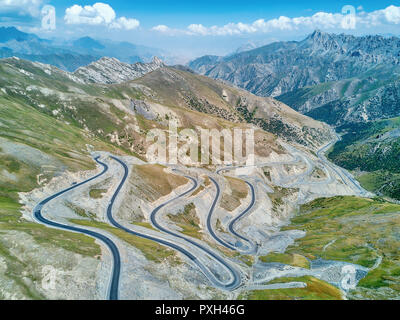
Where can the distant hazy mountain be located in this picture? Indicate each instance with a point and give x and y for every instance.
(123, 51)
(250, 45)
(335, 78)
(11, 33)
(30, 47)
(88, 43)
(70, 55)
(205, 64)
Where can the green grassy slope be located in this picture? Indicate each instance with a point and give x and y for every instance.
(360, 231)
(35, 146)
(315, 290)
(374, 149)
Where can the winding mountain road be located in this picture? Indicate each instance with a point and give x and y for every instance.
(342, 174)
(235, 281)
(299, 178)
(322, 157)
(37, 212)
(210, 214)
(235, 277)
(231, 226)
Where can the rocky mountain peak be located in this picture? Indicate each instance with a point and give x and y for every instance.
(346, 71)
(111, 70)
(317, 34)
(321, 40)
(157, 61)
(106, 61)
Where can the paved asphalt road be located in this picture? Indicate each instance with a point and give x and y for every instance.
(322, 157)
(236, 278)
(114, 285)
(209, 217)
(231, 226)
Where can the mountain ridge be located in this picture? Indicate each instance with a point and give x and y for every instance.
(110, 70)
(69, 55)
(324, 72)
(12, 33)
(168, 86)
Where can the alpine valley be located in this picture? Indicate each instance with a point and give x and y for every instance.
(85, 214)
(351, 83)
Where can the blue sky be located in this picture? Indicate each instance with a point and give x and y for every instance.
(180, 13)
(194, 28)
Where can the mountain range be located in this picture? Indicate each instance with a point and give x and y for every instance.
(349, 82)
(187, 91)
(334, 78)
(69, 55)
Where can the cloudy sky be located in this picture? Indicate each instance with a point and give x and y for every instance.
(207, 26)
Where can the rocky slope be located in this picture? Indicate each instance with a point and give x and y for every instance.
(201, 94)
(111, 70)
(367, 97)
(334, 78)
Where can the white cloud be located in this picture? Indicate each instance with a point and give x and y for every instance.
(22, 7)
(198, 29)
(98, 14)
(392, 14)
(125, 23)
(320, 20)
(387, 16)
(161, 28)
